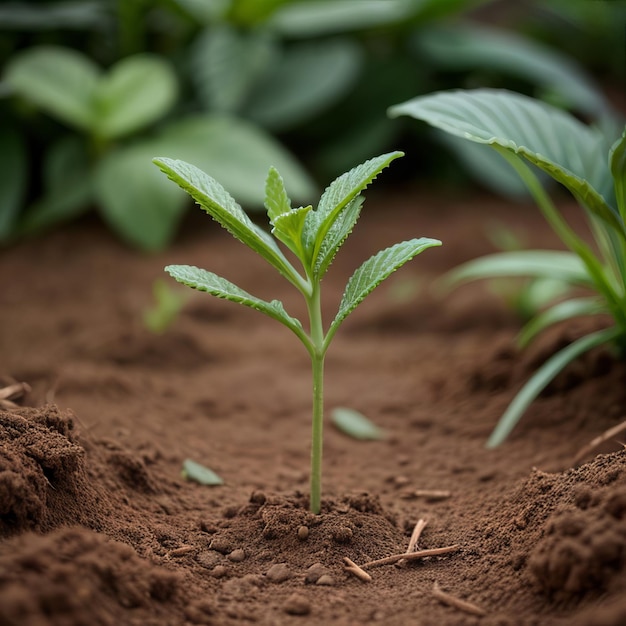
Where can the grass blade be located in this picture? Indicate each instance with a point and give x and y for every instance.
(542, 377)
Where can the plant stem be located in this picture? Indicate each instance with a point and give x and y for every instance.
(317, 365)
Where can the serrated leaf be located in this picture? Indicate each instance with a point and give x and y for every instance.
(339, 231)
(374, 271)
(277, 201)
(288, 228)
(617, 163)
(337, 195)
(203, 280)
(556, 142)
(59, 80)
(136, 91)
(356, 425)
(220, 205)
(564, 266)
(200, 474)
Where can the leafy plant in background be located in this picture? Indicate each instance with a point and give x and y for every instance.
(256, 75)
(314, 236)
(525, 131)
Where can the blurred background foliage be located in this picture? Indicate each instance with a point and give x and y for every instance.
(91, 90)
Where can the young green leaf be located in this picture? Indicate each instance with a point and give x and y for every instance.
(202, 280)
(221, 206)
(356, 425)
(288, 228)
(277, 201)
(200, 474)
(374, 271)
(337, 195)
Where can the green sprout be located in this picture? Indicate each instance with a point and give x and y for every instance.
(525, 131)
(314, 236)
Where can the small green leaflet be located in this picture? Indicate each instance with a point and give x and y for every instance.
(356, 425)
(200, 474)
(374, 271)
(203, 280)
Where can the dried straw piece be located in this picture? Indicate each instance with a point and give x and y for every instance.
(355, 570)
(413, 556)
(457, 603)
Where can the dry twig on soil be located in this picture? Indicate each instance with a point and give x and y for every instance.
(413, 556)
(428, 494)
(457, 603)
(354, 569)
(12, 392)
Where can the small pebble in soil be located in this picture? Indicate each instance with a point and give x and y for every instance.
(401, 481)
(303, 533)
(208, 559)
(297, 604)
(258, 497)
(219, 571)
(279, 573)
(221, 545)
(326, 580)
(342, 534)
(237, 556)
(314, 573)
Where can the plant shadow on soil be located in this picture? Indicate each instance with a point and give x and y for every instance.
(99, 528)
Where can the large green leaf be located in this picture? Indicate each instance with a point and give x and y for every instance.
(564, 266)
(221, 206)
(137, 91)
(337, 195)
(467, 46)
(318, 17)
(237, 154)
(369, 275)
(202, 280)
(304, 80)
(226, 64)
(137, 202)
(13, 170)
(59, 80)
(570, 152)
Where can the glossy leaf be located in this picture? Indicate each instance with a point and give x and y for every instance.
(374, 271)
(202, 280)
(356, 425)
(556, 142)
(136, 92)
(60, 81)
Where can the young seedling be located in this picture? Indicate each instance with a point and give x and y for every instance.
(314, 236)
(588, 162)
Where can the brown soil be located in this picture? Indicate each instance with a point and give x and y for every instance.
(99, 528)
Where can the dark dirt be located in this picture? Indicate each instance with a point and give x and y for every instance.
(98, 527)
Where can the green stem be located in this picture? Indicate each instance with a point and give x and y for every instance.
(317, 363)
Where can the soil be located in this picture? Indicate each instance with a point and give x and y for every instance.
(98, 526)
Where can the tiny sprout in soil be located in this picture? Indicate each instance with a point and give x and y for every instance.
(314, 236)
